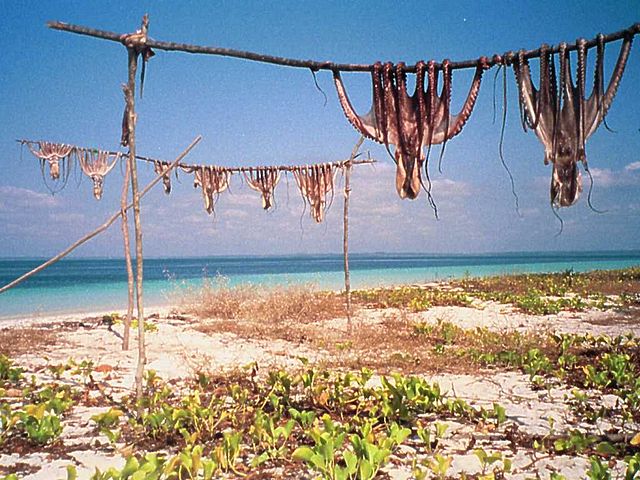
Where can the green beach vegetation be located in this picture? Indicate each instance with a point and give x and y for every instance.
(369, 405)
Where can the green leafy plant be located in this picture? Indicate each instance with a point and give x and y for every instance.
(40, 424)
(9, 374)
(108, 422)
(488, 459)
(598, 470)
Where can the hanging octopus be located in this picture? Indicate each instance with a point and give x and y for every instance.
(53, 154)
(314, 183)
(160, 168)
(124, 137)
(213, 181)
(263, 180)
(411, 122)
(96, 164)
(560, 115)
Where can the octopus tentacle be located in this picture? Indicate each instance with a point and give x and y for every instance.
(562, 55)
(610, 93)
(445, 102)
(465, 112)
(420, 98)
(392, 125)
(159, 169)
(96, 164)
(432, 105)
(367, 124)
(547, 97)
(597, 93)
(527, 90)
(580, 93)
(378, 102)
(408, 150)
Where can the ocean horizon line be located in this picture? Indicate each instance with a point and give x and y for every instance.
(340, 254)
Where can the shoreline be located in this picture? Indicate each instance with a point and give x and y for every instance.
(165, 293)
(77, 316)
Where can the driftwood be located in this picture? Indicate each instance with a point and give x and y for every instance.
(313, 65)
(98, 230)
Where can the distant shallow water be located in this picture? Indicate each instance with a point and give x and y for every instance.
(87, 285)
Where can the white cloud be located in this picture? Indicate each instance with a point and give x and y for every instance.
(14, 199)
(604, 177)
(632, 166)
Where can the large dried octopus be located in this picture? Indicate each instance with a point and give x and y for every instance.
(263, 180)
(52, 154)
(411, 122)
(560, 115)
(314, 183)
(213, 181)
(96, 164)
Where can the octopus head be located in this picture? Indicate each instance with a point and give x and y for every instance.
(566, 184)
(97, 186)
(566, 181)
(408, 179)
(266, 200)
(54, 169)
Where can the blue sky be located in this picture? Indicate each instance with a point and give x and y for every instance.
(63, 87)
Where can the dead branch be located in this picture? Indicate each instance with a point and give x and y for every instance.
(312, 64)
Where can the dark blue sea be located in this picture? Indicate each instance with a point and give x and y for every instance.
(90, 284)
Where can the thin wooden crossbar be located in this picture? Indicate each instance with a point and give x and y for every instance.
(281, 168)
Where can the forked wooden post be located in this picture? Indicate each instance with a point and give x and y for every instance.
(345, 239)
(135, 47)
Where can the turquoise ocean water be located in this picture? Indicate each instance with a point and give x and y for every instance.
(86, 285)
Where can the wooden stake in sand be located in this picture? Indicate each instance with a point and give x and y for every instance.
(345, 238)
(102, 227)
(136, 45)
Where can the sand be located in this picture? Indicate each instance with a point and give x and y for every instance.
(178, 350)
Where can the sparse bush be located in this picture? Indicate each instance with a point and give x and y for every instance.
(304, 303)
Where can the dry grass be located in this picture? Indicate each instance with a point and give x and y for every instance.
(293, 303)
(20, 340)
(388, 340)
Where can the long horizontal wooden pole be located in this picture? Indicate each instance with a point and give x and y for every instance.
(102, 227)
(313, 64)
